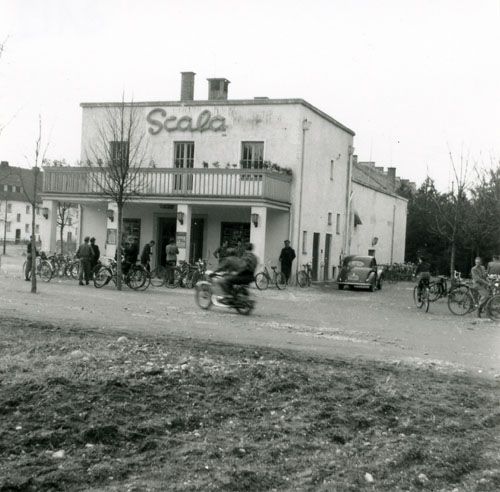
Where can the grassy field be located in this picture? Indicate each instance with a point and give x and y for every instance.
(90, 411)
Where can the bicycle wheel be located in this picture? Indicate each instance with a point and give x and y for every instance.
(302, 279)
(280, 280)
(460, 301)
(261, 281)
(102, 277)
(146, 278)
(492, 308)
(417, 297)
(45, 271)
(158, 276)
(203, 296)
(74, 270)
(175, 278)
(135, 277)
(434, 291)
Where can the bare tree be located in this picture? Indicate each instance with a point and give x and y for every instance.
(450, 219)
(116, 156)
(64, 218)
(30, 190)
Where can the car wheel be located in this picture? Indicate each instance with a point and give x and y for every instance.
(340, 286)
(351, 287)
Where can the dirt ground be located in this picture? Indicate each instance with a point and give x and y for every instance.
(81, 410)
(321, 320)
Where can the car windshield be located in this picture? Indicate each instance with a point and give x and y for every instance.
(359, 262)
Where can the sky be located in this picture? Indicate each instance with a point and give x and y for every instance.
(415, 79)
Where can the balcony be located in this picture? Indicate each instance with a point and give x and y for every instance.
(234, 184)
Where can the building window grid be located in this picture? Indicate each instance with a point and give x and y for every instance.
(18, 218)
(8, 227)
(26, 228)
(9, 208)
(332, 166)
(119, 151)
(183, 158)
(28, 209)
(337, 225)
(330, 218)
(37, 228)
(304, 242)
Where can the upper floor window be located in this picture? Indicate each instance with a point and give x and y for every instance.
(28, 210)
(183, 154)
(252, 155)
(304, 242)
(26, 228)
(9, 208)
(332, 166)
(18, 218)
(37, 228)
(119, 152)
(329, 218)
(8, 227)
(338, 224)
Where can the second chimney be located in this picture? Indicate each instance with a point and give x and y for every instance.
(187, 86)
(391, 174)
(218, 89)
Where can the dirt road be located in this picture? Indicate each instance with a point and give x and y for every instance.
(383, 325)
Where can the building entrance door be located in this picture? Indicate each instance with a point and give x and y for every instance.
(315, 256)
(328, 244)
(184, 158)
(196, 249)
(167, 229)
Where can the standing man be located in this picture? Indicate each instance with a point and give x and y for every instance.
(286, 258)
(240, 248)
(96, 253)
(85, 255)
(29, 260)
(171, 251)
(221, 252)
(146, 255)
(480, 283)
(494, 266)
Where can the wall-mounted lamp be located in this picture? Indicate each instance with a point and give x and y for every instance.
(255, 220)
(111, 214)
(180, 217)
(45, 212)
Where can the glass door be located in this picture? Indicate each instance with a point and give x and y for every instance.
(183, 159)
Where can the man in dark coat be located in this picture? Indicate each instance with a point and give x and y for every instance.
(85, 255)
(96, 253)
(286, 258)
(29, 260)
(146, 255)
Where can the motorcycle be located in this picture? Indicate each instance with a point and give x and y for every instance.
(210, 293)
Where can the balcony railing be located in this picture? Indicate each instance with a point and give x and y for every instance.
(169, 182)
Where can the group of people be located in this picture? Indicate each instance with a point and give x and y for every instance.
(479, 275)
(88, 253)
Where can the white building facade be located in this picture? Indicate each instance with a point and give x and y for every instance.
(259, 170)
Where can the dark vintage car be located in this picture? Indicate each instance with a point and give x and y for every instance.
(360, 271)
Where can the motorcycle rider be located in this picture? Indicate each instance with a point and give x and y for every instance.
(241, 269)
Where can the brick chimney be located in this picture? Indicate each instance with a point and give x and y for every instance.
(218, 89)
(391, 174)
(187, 86)
(4, 164)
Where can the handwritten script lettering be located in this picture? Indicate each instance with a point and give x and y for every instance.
(158, 121)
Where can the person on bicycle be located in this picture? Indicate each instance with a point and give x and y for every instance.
(221, 252)
(480, 283)
(423, 274)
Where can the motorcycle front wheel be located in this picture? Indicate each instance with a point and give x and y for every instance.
(203, 296)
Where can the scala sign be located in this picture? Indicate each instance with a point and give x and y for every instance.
(203, 123)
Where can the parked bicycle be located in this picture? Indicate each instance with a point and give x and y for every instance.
(137, 277)
(264, 278)
(304, 276)
(42, 267)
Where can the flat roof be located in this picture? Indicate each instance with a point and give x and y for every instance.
(229, 102)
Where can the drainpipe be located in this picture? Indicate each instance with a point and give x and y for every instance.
(305, 126)
(348, 201)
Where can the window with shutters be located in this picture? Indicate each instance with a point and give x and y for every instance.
(119, 152)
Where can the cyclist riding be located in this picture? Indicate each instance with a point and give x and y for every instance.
(423, 274)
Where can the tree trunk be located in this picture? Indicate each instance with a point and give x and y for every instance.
(62, 235)
(452, 257)
(119, 247)
(33, 237)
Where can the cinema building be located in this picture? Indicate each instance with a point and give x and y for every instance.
(260, 170)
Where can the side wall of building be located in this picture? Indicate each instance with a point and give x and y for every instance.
(383, 217)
